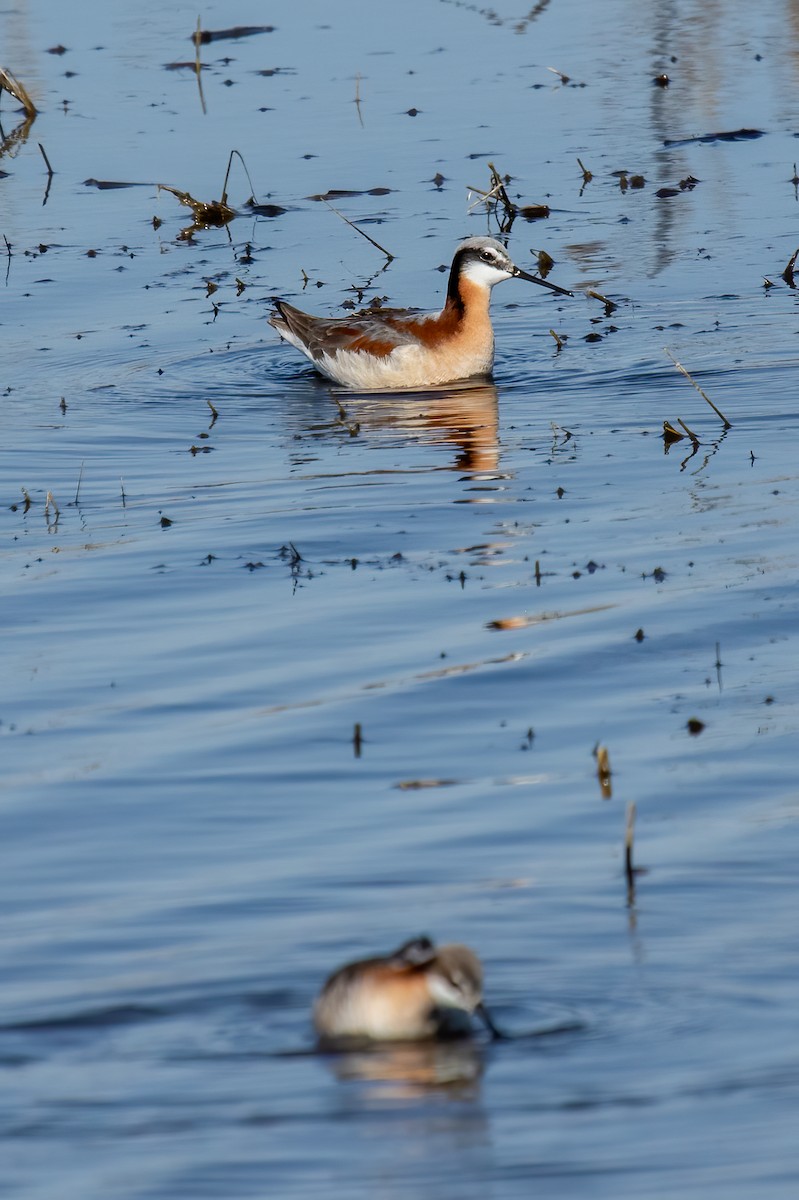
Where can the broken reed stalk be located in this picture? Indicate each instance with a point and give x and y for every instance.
(227, 173)
(499, 186)
(352, 225)
(691, 380)
(629, 838)
(18, 91)
(48, 501)
(690, 432)
(603, 772)
(484, 197)
(50, 171)
(80, 481)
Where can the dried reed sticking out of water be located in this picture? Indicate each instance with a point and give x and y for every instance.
(691, 380)
(629, 869)
(357, 229)
(18, 90)
(610, 305)
(358, 98)
(603, 771)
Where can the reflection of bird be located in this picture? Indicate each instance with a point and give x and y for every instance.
(397, 348)
(420, 991)
(462, 415)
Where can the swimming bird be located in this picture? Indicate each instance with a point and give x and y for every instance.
(399, 348)
(416, 993)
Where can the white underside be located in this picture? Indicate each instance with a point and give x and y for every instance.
(405, 367)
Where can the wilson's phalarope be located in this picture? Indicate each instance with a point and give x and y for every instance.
(398, 348)
(419, 992)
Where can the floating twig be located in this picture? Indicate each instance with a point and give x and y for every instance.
(558, 340)
(691, 380)
(357, 229)
(357, 739)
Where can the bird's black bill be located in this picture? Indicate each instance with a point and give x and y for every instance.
(520, 274)
(484, 1015)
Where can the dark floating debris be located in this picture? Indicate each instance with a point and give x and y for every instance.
(735, 135)
(342, 193)
(201, 37)
(533, 212)
(670, 434)
(264, 210)
(206, 213)
(106, 185)
(788, 273)
(661, 81)
(694, 726)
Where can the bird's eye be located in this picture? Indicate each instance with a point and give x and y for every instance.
(487, 255)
